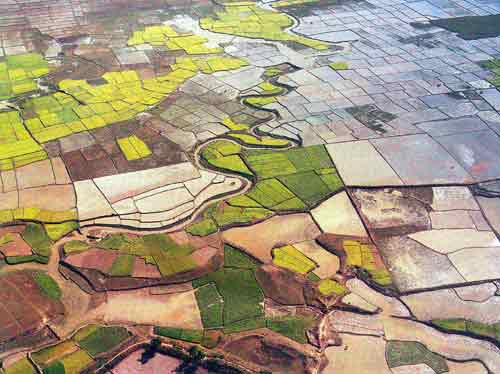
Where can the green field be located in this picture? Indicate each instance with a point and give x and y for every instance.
(292, 327)
(467, 326)
(330, 287)
(48, 285)
(400, 353)
(55, 368)
(245, 325)
(191, 336)
(204, 227)
(288, 180)
(123, 266)
(104, 339)
(158, 249)
(75, 246)
(48, 355)
(240, 291)
(231, 163)
(307, 186)
(84, 332)
(210, 305)
(36, 237)
(233, 258)
(231, 296)
(75, 362)
(22, 366)
(56, 231)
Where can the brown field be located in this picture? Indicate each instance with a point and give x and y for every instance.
(24, 308)
(16, 247)
(94, 258)
(143, 270)
(270, 351)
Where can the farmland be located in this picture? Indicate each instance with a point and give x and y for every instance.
(278, 186)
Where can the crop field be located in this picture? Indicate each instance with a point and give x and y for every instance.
(210, 304)
(275, 186)
(27, 302)
(22, 366)
(74, 355)
(329, 287)
(191, 336)
(292, 180)
(291, 258)
(37, 239)
(232, 290)
(291, 327)
(367, 257)
(157, 250)
(47, 356)
(103, 340)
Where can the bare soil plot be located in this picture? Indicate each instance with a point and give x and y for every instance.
(258, 240)
(140, 306)
(25, 308)
(158, 364)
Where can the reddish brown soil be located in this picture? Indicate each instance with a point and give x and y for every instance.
(24, 309)
(270, 351)
(283, 286)
(96, 259)
(143, 270)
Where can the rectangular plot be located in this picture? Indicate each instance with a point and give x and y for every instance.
(210, 305)
(270, 193)
(271, 165)
(310, 158)
(123, 266)
(308, 186)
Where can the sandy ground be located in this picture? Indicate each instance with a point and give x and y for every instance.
(142, 307)
(259, 239)
(357, 354)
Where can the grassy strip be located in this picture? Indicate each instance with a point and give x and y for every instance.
(245, 325)
(188, 335)
(467, 326)
(15, 260)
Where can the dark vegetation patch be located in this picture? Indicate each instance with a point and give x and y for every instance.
(471, 27)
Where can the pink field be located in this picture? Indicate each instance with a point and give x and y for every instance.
(158, 364)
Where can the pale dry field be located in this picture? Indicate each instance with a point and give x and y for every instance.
(141, 307)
